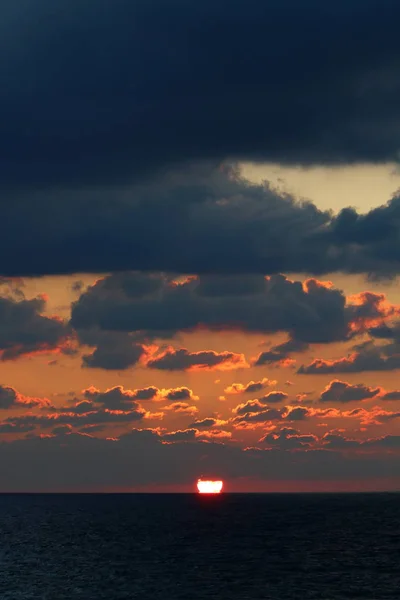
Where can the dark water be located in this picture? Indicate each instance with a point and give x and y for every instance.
(322, 547)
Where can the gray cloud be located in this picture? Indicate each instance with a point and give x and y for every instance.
(249, 388)
(298, 413)
(118, 398)
(204, 423)
(77, 419)
(115, 398)
(11, 399)
(288, 439)
(25, 330)
(115, 350)
(340, 442)
(393, 395)
(280, 353)
(8, 397)
(182, 393)
(310, 313)
(185, 435)
(341, 391)
(255, 411)
(61, 430)
(183, 360)
(251, 406)
(121, 313)
(274, 397)
(260, 416)
(146, 393)
(365, 357)
(15, 428)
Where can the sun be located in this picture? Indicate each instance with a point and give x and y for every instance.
(209, 486)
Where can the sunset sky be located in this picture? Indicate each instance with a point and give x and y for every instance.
(200, 245)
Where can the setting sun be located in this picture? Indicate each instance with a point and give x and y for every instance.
(209, 486)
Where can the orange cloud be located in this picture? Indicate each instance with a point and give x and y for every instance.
(250, 387)
(182, 407)
(10, 398)
(311, 284)
(214, 434)
(373, 310)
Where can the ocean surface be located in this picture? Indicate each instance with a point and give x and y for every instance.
(231, 546)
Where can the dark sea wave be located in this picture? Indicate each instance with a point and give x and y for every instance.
(170, 547)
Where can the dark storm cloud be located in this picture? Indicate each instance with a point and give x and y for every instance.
(341, 391)
(97, 103)
(25, 330)
(311, 312)
(121, 91)
(221, 223)
(131, 89)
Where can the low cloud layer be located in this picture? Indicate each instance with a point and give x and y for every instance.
(89, 463)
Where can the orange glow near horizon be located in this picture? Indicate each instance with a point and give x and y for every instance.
(209, 486)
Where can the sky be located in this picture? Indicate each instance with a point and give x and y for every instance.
(200, 245)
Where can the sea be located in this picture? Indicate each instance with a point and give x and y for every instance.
(189, 546)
